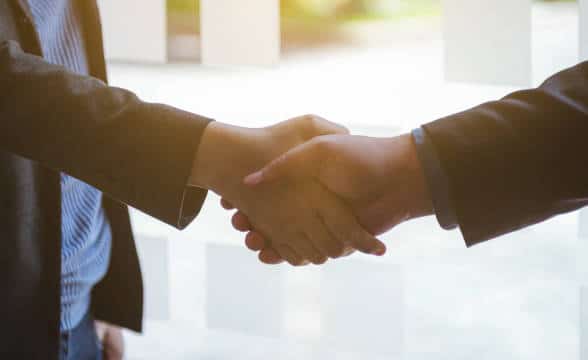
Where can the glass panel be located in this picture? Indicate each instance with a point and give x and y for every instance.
(377, 67)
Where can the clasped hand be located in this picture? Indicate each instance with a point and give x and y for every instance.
(379, 179)
(300, 217)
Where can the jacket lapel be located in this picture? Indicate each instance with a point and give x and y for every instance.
(94, 41)
(24, 6)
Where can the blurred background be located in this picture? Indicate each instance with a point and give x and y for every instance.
(308, 23)
(380, 67)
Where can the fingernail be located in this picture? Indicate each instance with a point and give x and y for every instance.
(253, 179)
(380, 250)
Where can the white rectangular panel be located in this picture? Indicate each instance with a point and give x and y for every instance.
(154, 256)
(135, 30)
(362, 306)
(583, 9)
(242, 294)
(582, 248)
(583, 323)
(237, 32)
(488, 41)
(583, 224)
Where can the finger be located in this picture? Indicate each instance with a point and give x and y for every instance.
(319, 257)
(241, 222)
(348, 251)
(345, 227)
(303, 246)
(270, 256)
(100, 329)
(226, 204)
(320, 260)
(113, 345)
(323, 240)
(288, 254)
(255, 241)
(302, 161)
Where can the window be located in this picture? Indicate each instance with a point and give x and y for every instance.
(381, 67)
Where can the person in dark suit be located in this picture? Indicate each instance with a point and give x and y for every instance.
(74, 152)
(490, 170)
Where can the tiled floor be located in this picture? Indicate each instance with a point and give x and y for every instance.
(517, 297)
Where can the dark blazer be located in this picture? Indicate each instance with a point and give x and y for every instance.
(520, 160)
(54, 121)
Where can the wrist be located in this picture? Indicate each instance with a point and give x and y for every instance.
(226, 154)
(422, 204)
(215, 155)
(405, 181)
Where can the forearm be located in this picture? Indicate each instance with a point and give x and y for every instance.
(520, 160)
(138, 153)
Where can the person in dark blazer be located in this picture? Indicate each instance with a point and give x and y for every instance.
(74, 152)
(490, 170)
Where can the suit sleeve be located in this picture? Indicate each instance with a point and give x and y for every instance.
(517, 161)
(436, 180)
(136, 152)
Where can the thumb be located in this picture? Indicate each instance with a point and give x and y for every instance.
(322, 126)
(301, 161)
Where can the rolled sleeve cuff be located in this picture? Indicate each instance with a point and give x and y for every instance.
(437, 180)
(154, 165)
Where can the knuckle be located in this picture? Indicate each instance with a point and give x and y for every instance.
(311, 123)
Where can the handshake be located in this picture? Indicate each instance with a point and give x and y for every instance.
(307, 191)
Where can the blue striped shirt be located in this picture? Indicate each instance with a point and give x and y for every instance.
(86, 236)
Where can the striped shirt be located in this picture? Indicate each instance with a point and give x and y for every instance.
(86, 236)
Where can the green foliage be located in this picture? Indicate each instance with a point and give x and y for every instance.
(339, 9)
(331, 9)
(358, 9)
(184, 6)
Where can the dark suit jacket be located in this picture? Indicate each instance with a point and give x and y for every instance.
(54, 121)
(520, 160)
